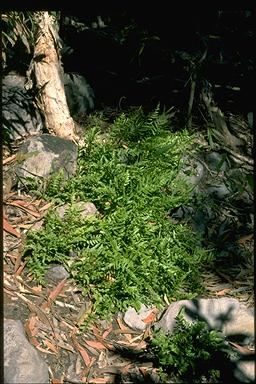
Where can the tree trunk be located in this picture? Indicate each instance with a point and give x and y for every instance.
(49, 78)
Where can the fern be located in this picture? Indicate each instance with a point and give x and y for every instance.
(131, 253)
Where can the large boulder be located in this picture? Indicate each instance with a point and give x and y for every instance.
(79, 94)
(85, 209)
(20, 114)
(21, 118)
(44, 155)
(22, 363)
(225, 314)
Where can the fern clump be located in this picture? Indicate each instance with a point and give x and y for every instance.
(131, 252)
(137, 126)
(191, 353)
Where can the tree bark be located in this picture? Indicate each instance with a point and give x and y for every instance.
(49, 78)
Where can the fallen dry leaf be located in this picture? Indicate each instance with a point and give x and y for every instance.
(51, 346)
(85, 372)
(56, 381)
(78, 365)
(24, 206)
(31, 326)
(121, 324)
(65, 346)
(147, 333)
(45, 350)
(151, 317)
(57, 289)
(95, 344)
(223, 292)
(65, 324)
(42, 315)
(9, 159)
(45, 207)
(100, 380)
(241, 349)
(244, 239)
(19, 203)
(95, 330)
(34, 342)
(137, 346)
(136, 339)
(126, 368)
(20, 269)
(9, 228)
(37, 289)
(125, 330)
(144, 371)
(107, 332)
(84, 312)
(166, 299)
(85, 356)
(25, 226)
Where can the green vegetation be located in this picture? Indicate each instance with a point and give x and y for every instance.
(131, 252)
(191, 353)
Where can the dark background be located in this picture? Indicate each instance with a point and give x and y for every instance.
(162, 69)
(142, 56)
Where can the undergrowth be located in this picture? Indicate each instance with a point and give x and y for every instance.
(191, 353)
(131, 252)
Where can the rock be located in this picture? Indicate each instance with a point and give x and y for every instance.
(9, 180)
(216, 162)
(192, 170)
(86, 209)
(56, 273)
(197, 217)
(37, 226)
(200, 219)
(245, 371)
(21, 118)
(22, 363)
(134, 320)
(44, 155)
(224, 314)
(20, 115)
(79, 94)
(218, 191)
(241, 323)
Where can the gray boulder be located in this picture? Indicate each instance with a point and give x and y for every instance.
(225, 314)
(56, 273)
(44, 155)
(135, 319)
(22, 363)
(216, 161)
(86, 209)
(79, 94)
(192, 170)
(20, 116)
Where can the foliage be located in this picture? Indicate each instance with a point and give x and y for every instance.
(192, 353)
(135, 127)
(17, 26)
(131, 252)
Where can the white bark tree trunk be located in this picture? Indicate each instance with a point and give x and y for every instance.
(49, 78)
